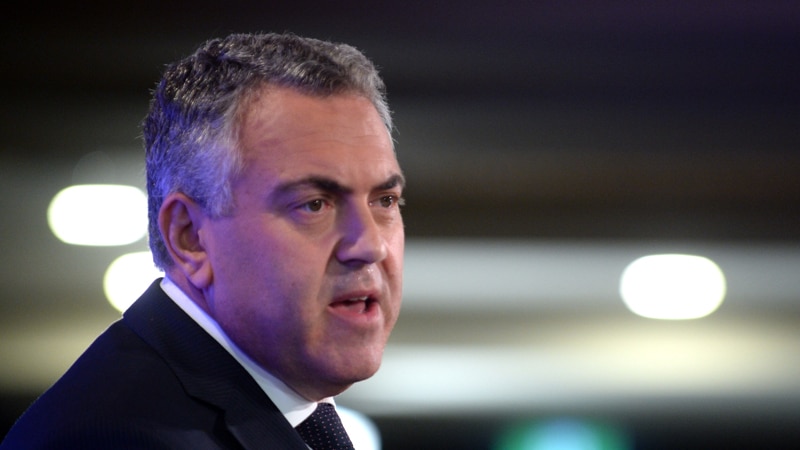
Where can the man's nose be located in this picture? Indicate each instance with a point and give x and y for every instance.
(362, 240)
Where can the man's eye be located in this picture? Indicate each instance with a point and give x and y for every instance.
(314, 205)
(388, 201)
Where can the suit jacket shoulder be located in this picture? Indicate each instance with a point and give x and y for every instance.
(154, 379)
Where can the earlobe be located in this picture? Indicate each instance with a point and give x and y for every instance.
(180, 220)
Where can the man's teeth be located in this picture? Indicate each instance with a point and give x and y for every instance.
(358, 299)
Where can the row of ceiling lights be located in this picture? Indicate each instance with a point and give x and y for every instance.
(663, 286)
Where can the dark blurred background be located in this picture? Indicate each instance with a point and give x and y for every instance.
(579, 131)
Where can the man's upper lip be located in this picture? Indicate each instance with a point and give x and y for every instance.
(368, 295)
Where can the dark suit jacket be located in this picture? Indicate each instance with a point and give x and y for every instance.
(154, 380)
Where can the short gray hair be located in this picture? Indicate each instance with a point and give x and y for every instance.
(190, 130)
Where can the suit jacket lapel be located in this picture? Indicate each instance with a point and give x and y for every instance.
(209, 373)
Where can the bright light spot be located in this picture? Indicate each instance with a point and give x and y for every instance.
(362, 431)
(563, 434)
(673, 286)
(98, 214)
(128, 277)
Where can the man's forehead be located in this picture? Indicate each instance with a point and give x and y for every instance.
(269, 102)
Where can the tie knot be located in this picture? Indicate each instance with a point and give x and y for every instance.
(323, 430)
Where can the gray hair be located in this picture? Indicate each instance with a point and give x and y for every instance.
(190, 130)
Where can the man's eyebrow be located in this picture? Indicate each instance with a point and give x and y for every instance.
(329, 185)
(314, 182)
(396, 180)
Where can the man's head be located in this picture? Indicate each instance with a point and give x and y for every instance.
(274, 203)
(191, 130)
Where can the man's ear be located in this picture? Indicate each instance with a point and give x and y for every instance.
(180, 220)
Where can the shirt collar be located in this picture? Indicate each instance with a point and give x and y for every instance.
(294, 407)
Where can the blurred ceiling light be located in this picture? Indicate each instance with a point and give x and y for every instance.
(98, 214)
(673, 286)
(127, 278)
(563, 434)
(361, 429)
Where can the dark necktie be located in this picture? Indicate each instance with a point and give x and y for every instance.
(323, 430)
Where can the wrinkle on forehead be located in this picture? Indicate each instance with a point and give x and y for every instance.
(268, 110)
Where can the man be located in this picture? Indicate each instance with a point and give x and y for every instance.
(274, 196)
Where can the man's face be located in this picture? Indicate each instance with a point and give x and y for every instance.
(307, 271)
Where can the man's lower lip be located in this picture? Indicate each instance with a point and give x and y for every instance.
(355, 310)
